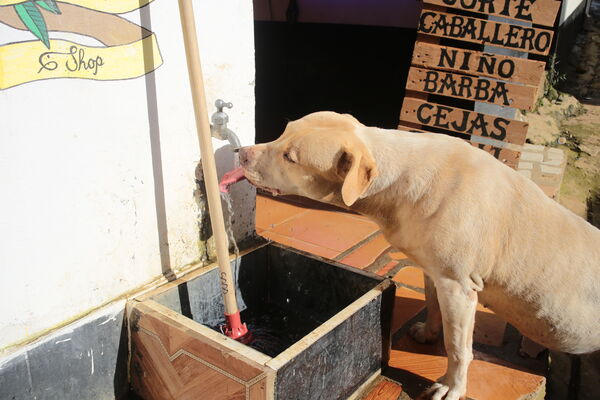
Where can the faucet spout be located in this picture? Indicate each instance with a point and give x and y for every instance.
(219, 129)
(234, 141)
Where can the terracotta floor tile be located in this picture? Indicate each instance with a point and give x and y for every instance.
(529, 348)
(397, 255)
(489, 328)
(300, 245)
(411, 276)
(366, 254)
(270, 212)
(407, 304)
(330, 229)
(489, 378)
(387, 267)
(385, 390)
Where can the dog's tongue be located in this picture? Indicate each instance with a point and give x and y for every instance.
(230, 178)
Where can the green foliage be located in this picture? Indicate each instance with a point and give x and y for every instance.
(553, 78)
(48, 5)
(33, 19)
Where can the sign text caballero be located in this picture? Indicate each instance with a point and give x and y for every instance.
(482, 31)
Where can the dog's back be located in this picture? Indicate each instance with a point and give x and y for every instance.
(539, 262)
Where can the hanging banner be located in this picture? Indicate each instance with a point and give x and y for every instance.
(108, 6)
(127, 51)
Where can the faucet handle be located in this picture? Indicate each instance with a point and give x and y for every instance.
(220, 104)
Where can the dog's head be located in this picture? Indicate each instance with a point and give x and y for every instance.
(318, 156)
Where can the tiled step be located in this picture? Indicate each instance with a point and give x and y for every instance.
(368, 253)
(384, 390)
(417, 366)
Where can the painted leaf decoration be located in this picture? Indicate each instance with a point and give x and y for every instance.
(49, 5)
(33, 20)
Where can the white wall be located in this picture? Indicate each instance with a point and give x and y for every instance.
(569, 6)
(79, 161)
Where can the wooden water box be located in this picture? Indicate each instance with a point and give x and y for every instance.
(323, 331)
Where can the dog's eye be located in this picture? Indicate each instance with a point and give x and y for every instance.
(286, 157)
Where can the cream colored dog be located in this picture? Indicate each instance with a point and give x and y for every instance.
(479, 230)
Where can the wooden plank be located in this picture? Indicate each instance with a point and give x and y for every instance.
(476, 30)
(467, 122)
(385, 390)
(471, 88)
(539, 12)
(478, 63)
(410, 127)
(171, 359)
(506, 156)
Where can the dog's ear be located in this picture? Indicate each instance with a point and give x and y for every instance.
(358, 169)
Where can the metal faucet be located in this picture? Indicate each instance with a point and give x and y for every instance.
(218, 127)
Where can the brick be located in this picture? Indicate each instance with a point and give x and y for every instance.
(550, 170)
(555, 154)
(554, 163)
(525, 165)
(530, 156)
(525, 172)
(533, 148)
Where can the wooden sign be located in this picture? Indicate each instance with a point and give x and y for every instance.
(472, 62)
(463, 121)
(506, 156)
(471, 88)
(476, 30)
(539, 12)
(464, 73)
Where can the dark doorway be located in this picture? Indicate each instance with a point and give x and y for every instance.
(305, 67)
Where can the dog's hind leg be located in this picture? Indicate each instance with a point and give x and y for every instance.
(428, 331)
(458, 303)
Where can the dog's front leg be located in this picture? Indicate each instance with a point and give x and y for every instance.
(428, 331)
(458, 303)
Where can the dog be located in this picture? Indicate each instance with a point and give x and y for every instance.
(479, 230)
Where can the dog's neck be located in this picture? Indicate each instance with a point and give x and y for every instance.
(400, 158)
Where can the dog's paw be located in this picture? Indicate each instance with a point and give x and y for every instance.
(439, 391)
(419, 332)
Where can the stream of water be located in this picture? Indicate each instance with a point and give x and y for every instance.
(272, 329)
(229, 229)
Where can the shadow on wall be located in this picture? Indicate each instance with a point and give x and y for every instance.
(157, 170)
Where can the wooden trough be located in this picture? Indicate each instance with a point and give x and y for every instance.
(323, 331)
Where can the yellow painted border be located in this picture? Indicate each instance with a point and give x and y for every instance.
(31, 61)
(108, 6)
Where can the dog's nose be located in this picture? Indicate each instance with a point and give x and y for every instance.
(243, 155)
